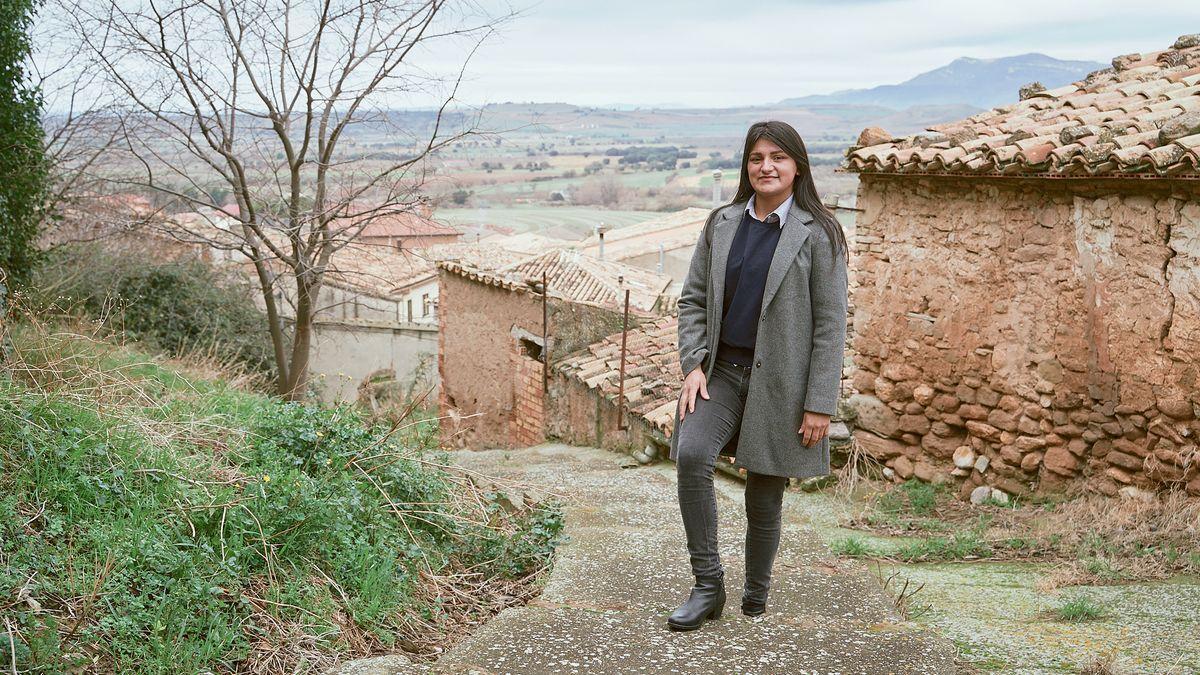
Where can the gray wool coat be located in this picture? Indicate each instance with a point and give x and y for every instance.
(799, 347)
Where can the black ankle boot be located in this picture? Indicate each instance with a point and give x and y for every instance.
(706, 601)
(752, 607)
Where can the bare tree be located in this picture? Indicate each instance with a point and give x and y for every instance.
(279, 105)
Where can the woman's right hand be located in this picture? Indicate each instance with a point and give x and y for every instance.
(694, 383)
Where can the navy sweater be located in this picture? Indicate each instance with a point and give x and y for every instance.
(745, 275)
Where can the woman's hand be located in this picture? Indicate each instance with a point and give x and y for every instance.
(814, 427)
(693, 383)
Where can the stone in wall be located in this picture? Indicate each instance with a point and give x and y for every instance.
(1047, 328)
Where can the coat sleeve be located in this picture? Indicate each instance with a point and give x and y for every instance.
(828, 292)
(693, 305)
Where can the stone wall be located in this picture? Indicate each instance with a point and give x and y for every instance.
(1029, 334)
(581, 416)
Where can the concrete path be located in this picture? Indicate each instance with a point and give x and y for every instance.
(625, 569)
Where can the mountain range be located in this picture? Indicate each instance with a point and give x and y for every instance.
(983, 83)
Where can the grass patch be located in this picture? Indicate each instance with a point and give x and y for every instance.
(910, 498)
(852, 547)
(153, 522)
(1091, 538)
(1103, 569)
(1078, 610)
(961, 546)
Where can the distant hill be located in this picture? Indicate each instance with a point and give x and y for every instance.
(684, 125)
(983, 83)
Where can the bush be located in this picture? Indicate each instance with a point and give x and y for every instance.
(23, 165)
(172, 307)
(186, 526)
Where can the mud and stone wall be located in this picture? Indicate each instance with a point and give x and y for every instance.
(1029, 334)
(491, 393)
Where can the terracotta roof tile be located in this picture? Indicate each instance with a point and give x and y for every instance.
(1120, 109)
(577, 278)
(652, 378)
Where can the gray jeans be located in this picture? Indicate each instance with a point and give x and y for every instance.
(702, 434)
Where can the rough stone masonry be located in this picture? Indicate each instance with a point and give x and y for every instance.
(1028, 334)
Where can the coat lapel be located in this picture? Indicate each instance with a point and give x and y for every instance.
(795, 231)
(727, 225)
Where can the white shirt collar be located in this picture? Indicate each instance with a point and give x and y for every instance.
(782, 211)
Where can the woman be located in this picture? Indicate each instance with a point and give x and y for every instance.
(762, 322)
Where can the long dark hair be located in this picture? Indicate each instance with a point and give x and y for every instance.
(804, 191)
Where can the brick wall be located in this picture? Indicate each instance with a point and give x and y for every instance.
(1042, 333)
(526, 426)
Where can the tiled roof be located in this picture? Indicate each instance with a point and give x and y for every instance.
(376, 270)
(394, 223)
(675, 230)
(1139, 117)
(484, 255)
(652, 379)
(576, 278)
(582, 278)
(528, 243)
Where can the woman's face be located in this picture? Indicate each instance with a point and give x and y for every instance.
(771, 170)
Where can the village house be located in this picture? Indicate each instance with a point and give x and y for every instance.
(495, 333)
(584, 403)
(405, 230)
(377, 315)
(1026, 312)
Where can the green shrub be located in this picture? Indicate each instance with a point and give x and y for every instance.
(184, 523)
(172, 307)
(23, 166)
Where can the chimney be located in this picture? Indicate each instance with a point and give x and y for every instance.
(661, 254)
(600, 230)
(716, 188)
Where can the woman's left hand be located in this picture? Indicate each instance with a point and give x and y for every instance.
(814, 427)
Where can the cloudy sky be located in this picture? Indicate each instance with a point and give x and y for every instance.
(726, 52)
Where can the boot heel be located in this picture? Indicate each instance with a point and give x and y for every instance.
(716, 612)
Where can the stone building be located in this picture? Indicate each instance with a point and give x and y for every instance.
(492, 352)
(1027, 307)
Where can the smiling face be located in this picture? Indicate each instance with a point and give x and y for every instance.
(771, 170)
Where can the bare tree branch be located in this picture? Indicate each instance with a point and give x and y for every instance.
(255, 99)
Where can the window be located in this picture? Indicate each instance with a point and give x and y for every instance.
(409, 303)
(531, 349)
(424, 304)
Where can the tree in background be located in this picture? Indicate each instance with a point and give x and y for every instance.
(262, 98)
(22, 161)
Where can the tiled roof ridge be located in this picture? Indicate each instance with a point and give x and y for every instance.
(509, 282)
(1140, 117)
